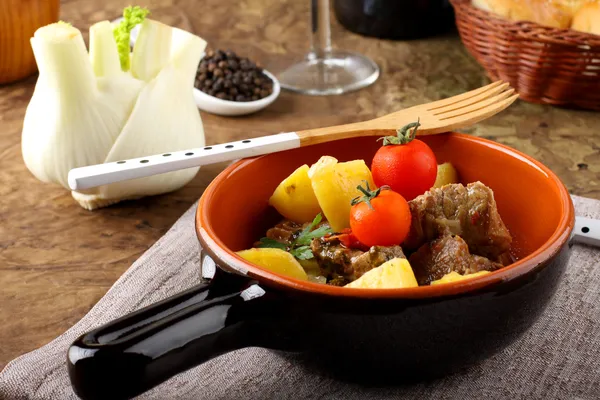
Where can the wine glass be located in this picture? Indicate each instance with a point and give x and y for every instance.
(326, 71)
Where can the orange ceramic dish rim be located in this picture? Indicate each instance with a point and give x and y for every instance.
(544, 253)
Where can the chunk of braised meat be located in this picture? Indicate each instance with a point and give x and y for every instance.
(505, 258)
(338, 281)
(376, 256)
(470, 212)
(285, 231)
(451, 253)
(335, 260)
(341, 264)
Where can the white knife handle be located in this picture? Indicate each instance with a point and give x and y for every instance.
(102, 174)
(587, 231)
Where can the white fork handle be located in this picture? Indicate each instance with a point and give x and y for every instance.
(102, 174)
(587, 231)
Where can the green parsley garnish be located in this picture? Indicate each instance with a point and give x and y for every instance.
(272, 243)
(300, 247)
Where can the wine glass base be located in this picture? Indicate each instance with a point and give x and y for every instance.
(339, 72)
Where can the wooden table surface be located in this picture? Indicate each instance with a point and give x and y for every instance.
(57, 260)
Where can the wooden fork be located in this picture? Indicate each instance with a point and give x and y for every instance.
(439, 116)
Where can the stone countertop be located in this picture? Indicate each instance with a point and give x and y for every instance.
(57, 260)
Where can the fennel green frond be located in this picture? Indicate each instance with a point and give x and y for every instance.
(132, 16)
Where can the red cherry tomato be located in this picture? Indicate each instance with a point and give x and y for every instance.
(380, 218)
(405, 164)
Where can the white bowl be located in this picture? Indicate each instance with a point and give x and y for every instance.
(214, 105)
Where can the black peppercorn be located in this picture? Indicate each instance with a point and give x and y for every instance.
(225, 75)
(217, 86)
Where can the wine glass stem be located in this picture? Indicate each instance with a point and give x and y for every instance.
(320, 29)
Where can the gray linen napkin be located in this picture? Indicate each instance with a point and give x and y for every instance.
(558, 358)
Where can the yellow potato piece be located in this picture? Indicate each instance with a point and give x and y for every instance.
(335, 185)
(455, 276)
(275, 260)
(446, 174)
(396, 273)
(294, 198)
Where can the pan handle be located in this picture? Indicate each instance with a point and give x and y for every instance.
(587, 231)
(135, 353)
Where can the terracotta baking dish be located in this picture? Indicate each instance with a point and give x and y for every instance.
(357, 334)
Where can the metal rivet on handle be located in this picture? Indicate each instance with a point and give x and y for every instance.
(208, 148)
(166, 155)
(120, 162)
(585, 229)
(229, 146)
(189, 154)
(144, 161)
(246, 141)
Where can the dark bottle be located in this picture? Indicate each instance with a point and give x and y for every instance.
(395, 19)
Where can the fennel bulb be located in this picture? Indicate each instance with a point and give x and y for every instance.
(110, 105)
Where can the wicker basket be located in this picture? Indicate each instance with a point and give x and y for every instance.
(545, 65)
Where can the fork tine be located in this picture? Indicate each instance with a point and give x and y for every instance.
(479, 114)
(462, 97)
(480, 105)
(475, 100)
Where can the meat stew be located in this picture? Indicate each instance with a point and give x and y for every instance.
(455, 228)
(405, 222)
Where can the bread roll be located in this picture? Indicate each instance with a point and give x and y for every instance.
(553, 13)
(500, 7)
(587, 19)
(572, 6)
